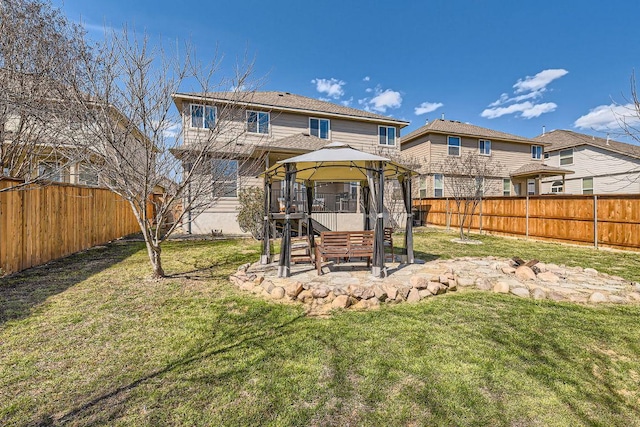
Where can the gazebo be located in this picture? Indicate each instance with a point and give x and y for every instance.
(337, 162)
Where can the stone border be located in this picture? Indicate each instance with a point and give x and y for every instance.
(420, 281)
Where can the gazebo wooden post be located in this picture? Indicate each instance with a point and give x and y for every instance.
(266, 228)
(378, 269)
(284, 268)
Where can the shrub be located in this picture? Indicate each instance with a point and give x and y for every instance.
(251, 211)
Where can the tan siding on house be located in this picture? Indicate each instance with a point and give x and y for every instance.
(613, 173)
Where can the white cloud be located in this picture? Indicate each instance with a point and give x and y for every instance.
(332, 87)
(382, 100)
(529, 90)
(608, 117)
(526, 110)
(427, 107)
(539, 81)
(366, 79)
(347, 102)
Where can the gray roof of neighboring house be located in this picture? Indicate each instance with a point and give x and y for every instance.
(288, 101)
(539, 169)
(561, 139)
(301, 142)
(458, 128)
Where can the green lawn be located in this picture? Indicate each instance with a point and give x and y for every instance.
(90, 340)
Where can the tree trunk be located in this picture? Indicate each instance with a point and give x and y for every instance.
(154, 252)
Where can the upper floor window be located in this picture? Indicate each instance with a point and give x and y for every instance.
(257, 122)
(484, 146)
(438, 185)
(203, 116)
(587, 185)
(453, 145)
(224, 173)
(387, 135)
(536, 152)
(566, 157)
(319, 128)
(50, 171)
(87, 175)
(546, 156)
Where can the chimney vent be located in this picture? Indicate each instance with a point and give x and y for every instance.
(442, 116)
(544, 130)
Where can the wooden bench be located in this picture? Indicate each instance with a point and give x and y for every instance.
(343, 245)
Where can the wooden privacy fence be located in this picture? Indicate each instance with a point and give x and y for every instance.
(39, 224)
(607, 220)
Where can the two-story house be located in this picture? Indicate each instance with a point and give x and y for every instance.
(521, 164)
(262, 128)
(600, 165)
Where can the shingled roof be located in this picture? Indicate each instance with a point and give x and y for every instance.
(561, 139)
(454, 127)
(287, 102)
(539, 169)
(302, 142)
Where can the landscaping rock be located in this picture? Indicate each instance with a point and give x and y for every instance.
(466, 282)
(525, 273)
(521, 292)
(418, 282)
(379, 293)
(436, 288)
(341, 301)
(305, 296)
(244, 267)
(548, 276)
(617, 299)
(268, 286)
(597, 297)
(258, 280)
(424, 293)
(340, 291)
(391, 291)
(277, 292)
(538, 294)
(362, 304)
(557, 296)
(294, 289)
(508, 270)
(634, 296)
(414, 295)
(483, 284)
(403, 291)
(453, 285)
(591, 271)
(320, 292)
(636, 286)
(501, 287)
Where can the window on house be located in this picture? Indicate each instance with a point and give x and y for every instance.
(319, 128)
(531, 187)
(387, 135)
(587, 185)
(50, 172)
(453, 145)
(257, 122)
(203, 116)
(566, 157)
(438, 185)
(557, 187)
(87, 176)
(506, 187)
(353, 190)
(224, 173)
(484, 146)
(422, 185)
(536, 152)
(546, 156)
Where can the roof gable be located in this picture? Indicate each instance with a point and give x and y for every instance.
(286, 101)
(561, 139)
(454, 127)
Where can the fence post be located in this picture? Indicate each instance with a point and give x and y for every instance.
(527, 216)
(447, 215)
(480, 219)
(595, 221)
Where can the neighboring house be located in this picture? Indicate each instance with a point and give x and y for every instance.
(520, 159)
(264, 127)
(601, 165)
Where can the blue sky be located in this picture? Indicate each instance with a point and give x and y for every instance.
(507, 65)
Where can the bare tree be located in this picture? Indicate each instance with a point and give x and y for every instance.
(134, 142)
(467, 179)
(40, 53)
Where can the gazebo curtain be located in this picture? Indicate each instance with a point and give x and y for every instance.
(284, 266)
(310, 197)
(377, 196)
(405, 182)
(266, 229)
(366, 201)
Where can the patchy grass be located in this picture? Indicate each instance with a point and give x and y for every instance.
(102, 344)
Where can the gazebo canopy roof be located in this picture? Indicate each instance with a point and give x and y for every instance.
(335, 162)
